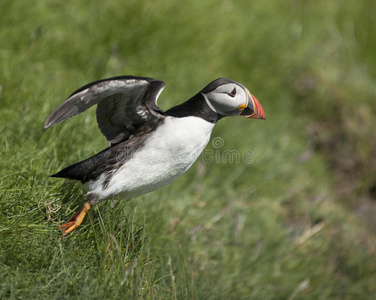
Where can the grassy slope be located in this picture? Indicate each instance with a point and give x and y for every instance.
(273, 228)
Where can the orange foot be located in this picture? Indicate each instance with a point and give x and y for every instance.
(76, 220)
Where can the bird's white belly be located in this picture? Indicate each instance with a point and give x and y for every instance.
(166, 154)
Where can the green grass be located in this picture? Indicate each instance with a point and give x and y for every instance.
(295, 222)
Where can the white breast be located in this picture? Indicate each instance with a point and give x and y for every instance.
(166, 154)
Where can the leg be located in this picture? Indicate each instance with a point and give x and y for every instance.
(76, 220)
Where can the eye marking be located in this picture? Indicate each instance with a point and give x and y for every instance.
(232, 93)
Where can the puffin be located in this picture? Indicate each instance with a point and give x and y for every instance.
(148, 147)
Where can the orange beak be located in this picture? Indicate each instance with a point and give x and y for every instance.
(253, 109)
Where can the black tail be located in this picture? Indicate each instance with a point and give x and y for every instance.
(78, 171)
(88, 169)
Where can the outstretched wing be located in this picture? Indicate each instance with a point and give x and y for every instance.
(124, 104)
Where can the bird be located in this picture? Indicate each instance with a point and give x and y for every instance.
(147, 147)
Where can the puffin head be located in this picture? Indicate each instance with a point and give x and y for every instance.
(230, 98)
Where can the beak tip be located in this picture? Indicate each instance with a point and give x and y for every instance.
(258, 110)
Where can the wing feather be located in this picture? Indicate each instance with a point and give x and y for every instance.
(124, 104)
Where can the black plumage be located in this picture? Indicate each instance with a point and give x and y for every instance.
(124, 104)
(108, 160)
(195, 107)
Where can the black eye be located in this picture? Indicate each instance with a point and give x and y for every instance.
(232, 93)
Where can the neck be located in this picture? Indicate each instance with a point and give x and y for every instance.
(195, 107)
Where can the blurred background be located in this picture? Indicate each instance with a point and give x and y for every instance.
(293, 218)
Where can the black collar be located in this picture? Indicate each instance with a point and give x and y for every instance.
(195, 107)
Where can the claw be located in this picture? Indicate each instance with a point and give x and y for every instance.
(76, 220)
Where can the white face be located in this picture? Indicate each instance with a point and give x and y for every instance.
(226, 99)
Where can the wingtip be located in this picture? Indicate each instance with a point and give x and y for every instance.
(56, 117)
(47, 125)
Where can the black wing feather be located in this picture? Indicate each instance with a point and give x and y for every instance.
(124, 103)
(127, 112)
